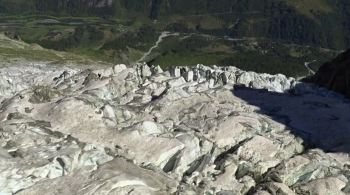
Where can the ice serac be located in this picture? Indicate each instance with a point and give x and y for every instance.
(328, 185)
(114, 177)
(182, 130)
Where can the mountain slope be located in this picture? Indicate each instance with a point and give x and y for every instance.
(143, 130)
(14, 52)
(310, 22)
(335, 75)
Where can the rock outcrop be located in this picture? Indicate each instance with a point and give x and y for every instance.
(188, 130)
(12, 35)
(335, 75)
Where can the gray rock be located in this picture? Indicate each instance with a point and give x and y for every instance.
(188, 76)
(263, 154)
(279, 188)
(119, 68)
(329, 185)
(115, 177)
(261, 193)
(315, 164)
(176, 82)
(175, 72)
(188, 130)
(157, 69)
(145, 70)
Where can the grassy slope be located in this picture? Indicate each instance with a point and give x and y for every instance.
(18, 52)
(309, 7)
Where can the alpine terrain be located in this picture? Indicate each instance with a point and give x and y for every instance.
(72, 125)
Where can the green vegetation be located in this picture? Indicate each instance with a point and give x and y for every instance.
(282, 34)
(308, 22)
(188, 59)
(257, 62)
(310, 7)
(17, 52)
(252, 55)
(90, 33)
(145, 37)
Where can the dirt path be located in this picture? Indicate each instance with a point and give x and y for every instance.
(160, 39)
(307, 66)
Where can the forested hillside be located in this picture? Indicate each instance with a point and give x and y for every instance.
(59, 7)
(271, 36)
(310, 22)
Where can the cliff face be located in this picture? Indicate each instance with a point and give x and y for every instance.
(335, 75)
(190, 130)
